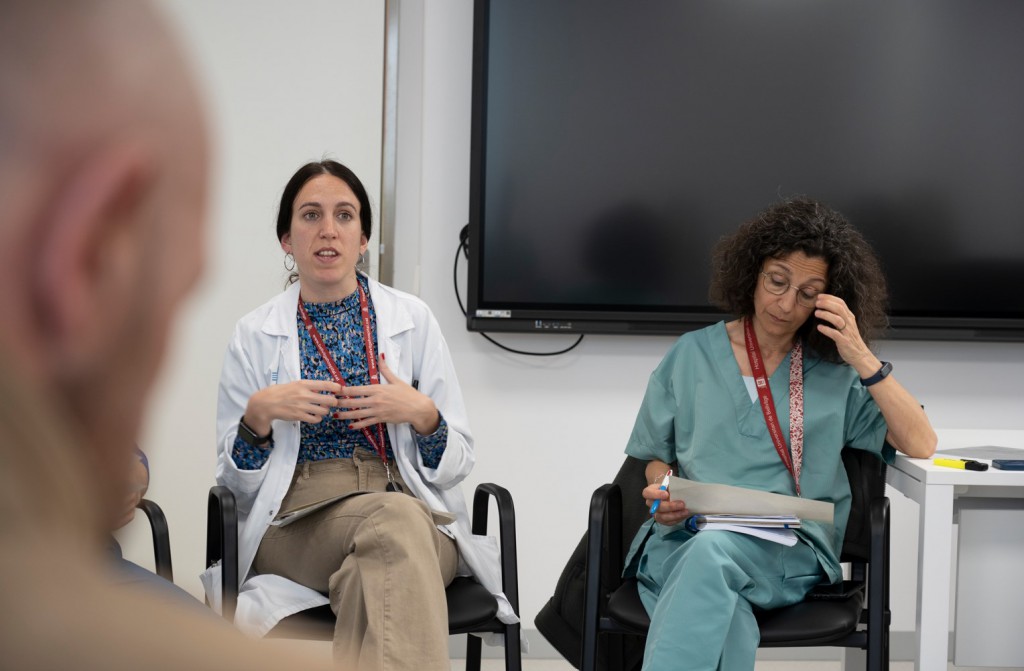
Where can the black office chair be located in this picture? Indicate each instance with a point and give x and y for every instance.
(471, 608)
(829, 616)
(161, 538)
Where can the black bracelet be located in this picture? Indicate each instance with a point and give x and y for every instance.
(882, 373)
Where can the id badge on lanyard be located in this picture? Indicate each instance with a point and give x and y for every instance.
(376, 436)
(791, 456)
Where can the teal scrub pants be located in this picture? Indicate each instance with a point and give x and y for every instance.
(700, 591)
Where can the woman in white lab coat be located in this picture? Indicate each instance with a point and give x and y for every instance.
(339, 395)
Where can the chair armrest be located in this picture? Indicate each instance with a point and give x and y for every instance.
(603, 564)
(222, 545)
(161, 538)
(604, 537)
(878, 582)
(506, 534)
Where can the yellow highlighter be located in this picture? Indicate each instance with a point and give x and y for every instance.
(962, 464)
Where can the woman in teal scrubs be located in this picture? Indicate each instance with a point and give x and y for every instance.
(809, 295)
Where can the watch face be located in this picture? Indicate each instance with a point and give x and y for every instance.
(246, 434)
(249, 436)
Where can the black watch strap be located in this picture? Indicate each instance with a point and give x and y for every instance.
(249, 436)
(882, 373)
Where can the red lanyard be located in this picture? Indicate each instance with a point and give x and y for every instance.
(371, 364)
(796, 402)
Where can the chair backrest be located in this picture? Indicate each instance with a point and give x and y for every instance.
(564, 623)
(560, 620)
(866, 473)
(161, 538)
(471, 606)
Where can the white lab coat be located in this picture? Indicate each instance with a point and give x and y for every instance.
(264, 350)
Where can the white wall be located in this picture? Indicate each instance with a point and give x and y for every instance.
(285, 83)
(282, 86)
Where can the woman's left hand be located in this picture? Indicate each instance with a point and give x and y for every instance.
(909, 430)
(838, 323)
(395, 403)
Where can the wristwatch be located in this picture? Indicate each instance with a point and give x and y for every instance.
(882, 373)
(250, 437)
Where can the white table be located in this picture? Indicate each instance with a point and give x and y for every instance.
(935, 489)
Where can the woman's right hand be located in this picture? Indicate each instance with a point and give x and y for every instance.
(669, 512)
(303, 400)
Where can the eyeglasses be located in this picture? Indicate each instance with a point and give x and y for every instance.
(777, 284)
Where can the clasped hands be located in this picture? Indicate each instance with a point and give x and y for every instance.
(361, 406)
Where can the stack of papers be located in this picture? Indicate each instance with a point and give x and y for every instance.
(768, 521)
(747, 511)
(775, 528)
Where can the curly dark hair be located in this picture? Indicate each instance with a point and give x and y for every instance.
(805, 225)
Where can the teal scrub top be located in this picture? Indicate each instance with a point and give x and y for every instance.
(697, 412)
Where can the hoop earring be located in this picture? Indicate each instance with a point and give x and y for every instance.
(289, 258)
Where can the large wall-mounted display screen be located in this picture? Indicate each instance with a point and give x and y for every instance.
(615, 141)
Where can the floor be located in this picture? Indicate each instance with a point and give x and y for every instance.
(323, 648)
(560, 665)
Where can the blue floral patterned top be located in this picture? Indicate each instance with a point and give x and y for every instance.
(341, 327)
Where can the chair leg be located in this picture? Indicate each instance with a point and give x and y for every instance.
(513, 651)
(473, 652)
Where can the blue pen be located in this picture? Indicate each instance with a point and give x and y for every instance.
(664, 487)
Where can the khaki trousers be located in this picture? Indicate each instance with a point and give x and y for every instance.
(377, 555)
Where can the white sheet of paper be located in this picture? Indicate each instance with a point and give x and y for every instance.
(780, 536)
(704, 498)
(286, 518)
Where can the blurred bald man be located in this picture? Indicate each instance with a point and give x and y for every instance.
(103, 170)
